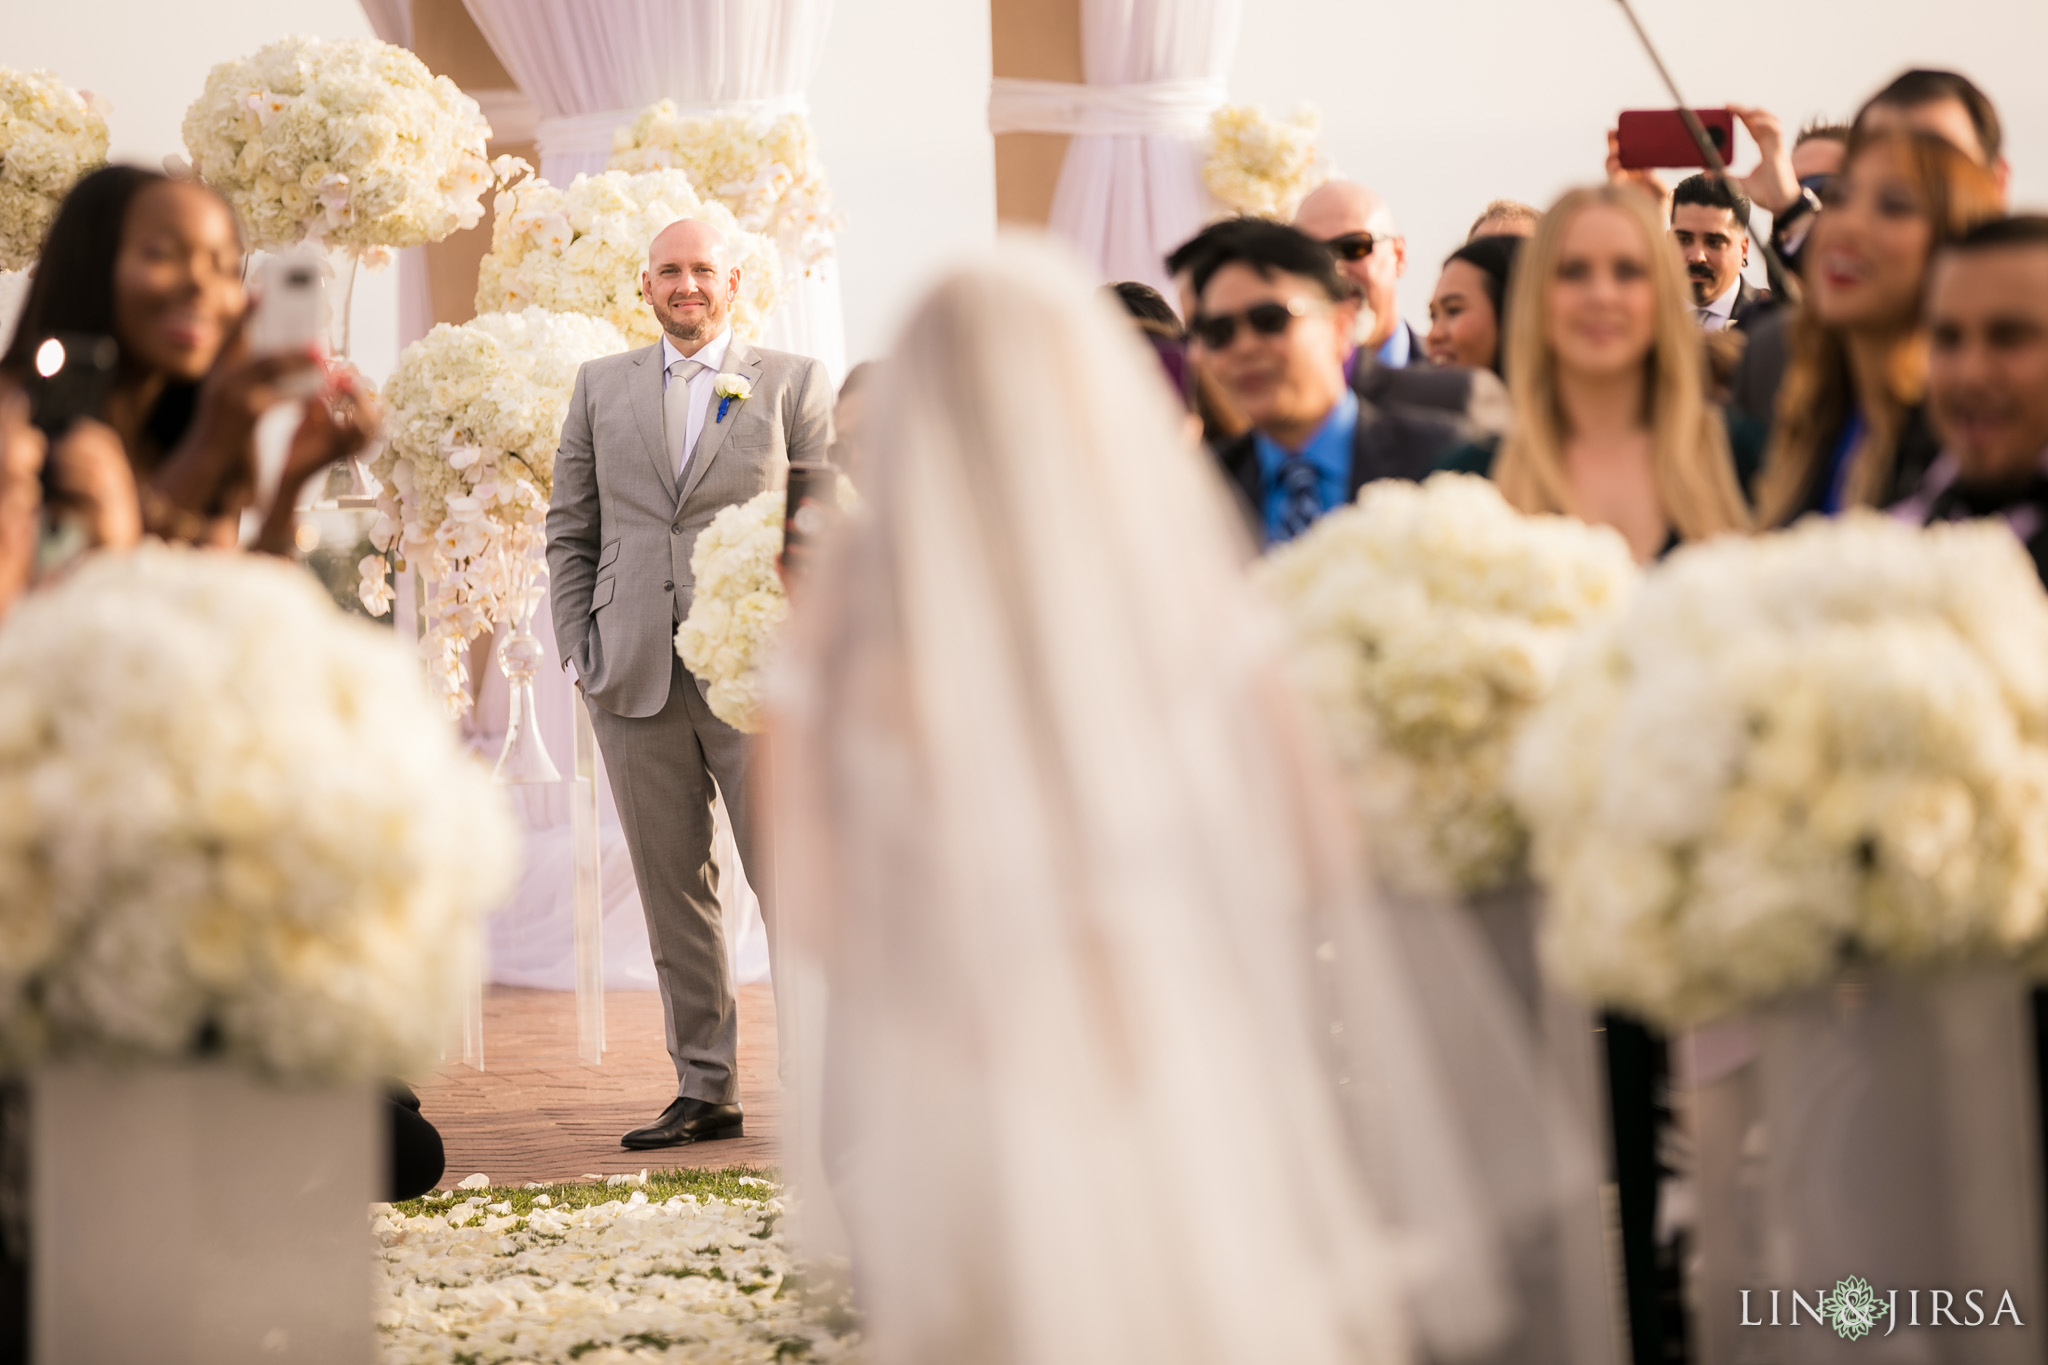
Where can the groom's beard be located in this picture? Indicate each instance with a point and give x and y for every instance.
(703, 329)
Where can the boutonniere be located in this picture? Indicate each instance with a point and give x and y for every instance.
(729, 387)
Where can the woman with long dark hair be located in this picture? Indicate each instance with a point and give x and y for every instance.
(1850, 430)
(156, 264)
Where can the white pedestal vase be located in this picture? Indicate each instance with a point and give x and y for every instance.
(196, 1216)
(1896, 1139)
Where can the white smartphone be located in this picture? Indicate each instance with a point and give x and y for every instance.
(291, 305)
(291, 314)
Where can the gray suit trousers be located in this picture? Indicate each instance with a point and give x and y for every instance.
(662, 769)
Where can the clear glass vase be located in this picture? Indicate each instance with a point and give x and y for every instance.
(520, 657)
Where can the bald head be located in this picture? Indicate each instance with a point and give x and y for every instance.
(690, 282)
(1359, 227)
(1336, 207)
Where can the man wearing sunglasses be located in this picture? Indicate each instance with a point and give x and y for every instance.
(1272, 324)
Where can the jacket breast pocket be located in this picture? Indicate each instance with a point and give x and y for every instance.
(602, 594)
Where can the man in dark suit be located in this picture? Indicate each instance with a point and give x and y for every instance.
(1272, 324)
(1708, 222)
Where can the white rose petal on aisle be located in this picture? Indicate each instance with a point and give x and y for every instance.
(738, 606)
(352, 143)
(1260, 165)
(476, 413)
(231, 822)
(1791, 754)
(765, 170)
(50, 135)
(582, 250)
(1428, 621)
(684, 1279)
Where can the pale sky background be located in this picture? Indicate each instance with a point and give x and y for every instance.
(1441, 105)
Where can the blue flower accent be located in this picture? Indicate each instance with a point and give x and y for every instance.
(723, 404)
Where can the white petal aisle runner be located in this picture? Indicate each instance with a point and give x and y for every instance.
(498, 1276)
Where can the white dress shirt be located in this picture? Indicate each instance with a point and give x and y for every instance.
(711, 355)
(1714, 316)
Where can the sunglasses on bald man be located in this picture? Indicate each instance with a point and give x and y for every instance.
(1353, 246)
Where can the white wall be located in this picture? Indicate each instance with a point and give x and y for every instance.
(1441, 105)
(901, 113)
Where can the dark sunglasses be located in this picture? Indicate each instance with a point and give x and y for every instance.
(1352, 246)
(1217, 330)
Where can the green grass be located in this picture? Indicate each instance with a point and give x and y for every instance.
(579, 1194)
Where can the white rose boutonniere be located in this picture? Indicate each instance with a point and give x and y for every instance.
(729, 387)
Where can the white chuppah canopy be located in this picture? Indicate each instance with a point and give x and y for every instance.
(593, 65)
(1131, 187)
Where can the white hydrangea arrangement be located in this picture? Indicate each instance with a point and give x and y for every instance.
(1427, 622)
(582, 250)
(467, 469)
(1260, 165)
(737, 607)
(1792, 754)
(765, 170)
(50, 135)
(232, 825)
(350, 143)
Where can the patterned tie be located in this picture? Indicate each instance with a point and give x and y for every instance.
(1301, 500)
(675, 413)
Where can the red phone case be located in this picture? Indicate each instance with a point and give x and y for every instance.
(1653, 139)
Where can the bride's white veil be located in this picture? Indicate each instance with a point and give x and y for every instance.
(1098, 1050)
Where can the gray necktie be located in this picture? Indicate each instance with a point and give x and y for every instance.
(675, 413)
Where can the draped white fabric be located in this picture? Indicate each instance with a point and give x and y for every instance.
(591, 65)
(1131, 188)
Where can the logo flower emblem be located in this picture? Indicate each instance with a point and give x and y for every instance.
(729, 387)
(1853, 1309)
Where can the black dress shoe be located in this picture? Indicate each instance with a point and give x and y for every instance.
(687, 1121)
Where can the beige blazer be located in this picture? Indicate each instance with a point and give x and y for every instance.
(619, 529)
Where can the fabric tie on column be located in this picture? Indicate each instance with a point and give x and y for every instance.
(1148, 108)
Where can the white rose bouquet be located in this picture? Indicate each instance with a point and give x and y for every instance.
(1792, 753)
(50, 135)
(738, 606)
(350, 143)
(1428, 621)
(581, 250)
(1261, 165)
(476, 412)
(231, 824)
(765, 170)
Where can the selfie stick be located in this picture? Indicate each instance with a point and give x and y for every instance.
(1781, 280)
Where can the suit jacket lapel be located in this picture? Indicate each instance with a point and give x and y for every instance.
(741, 359)
(644, 391)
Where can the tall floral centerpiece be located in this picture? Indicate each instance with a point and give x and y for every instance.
(1428, 621)
(50, 135)
(582, 250)
(1806, 776)
(243, 864)
(476, 411)
(352, 143)
(764, 169)
(1259, 165)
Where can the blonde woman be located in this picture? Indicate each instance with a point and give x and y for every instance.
(1611, 418)
(1850, 428)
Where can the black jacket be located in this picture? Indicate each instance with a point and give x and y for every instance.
(1475, 400)
(1752, 305)
(1389, 444)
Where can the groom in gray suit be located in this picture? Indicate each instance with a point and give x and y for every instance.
(656, 442)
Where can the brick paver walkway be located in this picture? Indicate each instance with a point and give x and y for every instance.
(537, 1113)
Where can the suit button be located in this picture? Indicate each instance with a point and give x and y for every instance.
(668, 587)
(676, 529)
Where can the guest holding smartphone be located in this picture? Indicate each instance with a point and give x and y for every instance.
(156, 264)
(1851, 428)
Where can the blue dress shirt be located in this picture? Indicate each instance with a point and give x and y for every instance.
(1397, 350)
(1329, 450)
